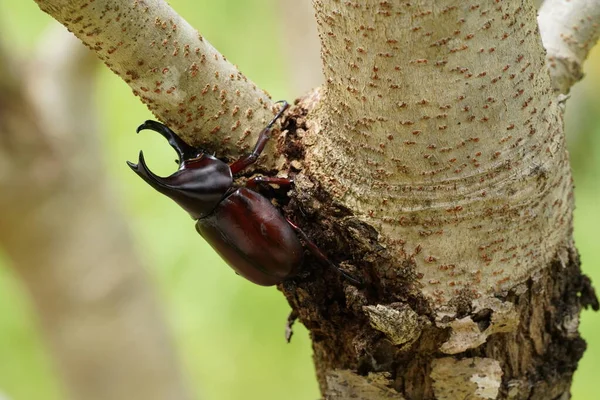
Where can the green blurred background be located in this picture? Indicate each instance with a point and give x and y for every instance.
(237, 351)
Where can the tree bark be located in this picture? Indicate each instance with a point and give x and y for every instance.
(569, 30)
(432, 165)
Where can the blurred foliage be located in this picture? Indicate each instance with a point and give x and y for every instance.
(229, 332)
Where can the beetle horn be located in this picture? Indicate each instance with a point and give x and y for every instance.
(157, 182)
(160, 184)
(184, 150)
(187, 187)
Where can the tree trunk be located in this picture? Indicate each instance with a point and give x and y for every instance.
(431, 164)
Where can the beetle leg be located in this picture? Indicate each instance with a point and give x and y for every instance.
(184, 150)
(263, 138)
(320, 255)
(257, 180)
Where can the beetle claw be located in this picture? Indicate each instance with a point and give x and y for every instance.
(184, 150)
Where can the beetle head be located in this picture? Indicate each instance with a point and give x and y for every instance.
(198, 185)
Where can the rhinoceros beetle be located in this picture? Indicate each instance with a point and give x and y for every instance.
(243, 227)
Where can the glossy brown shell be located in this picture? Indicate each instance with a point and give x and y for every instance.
(250, 234)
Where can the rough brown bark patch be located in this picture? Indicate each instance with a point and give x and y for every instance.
(540, 358)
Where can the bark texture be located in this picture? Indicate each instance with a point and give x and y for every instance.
(464, 182)
(569, 30)
(67, 239)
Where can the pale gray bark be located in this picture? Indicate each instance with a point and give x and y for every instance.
(569, 30)
(453, 144)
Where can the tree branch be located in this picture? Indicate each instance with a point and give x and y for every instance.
(569, 30)
(182, 79)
